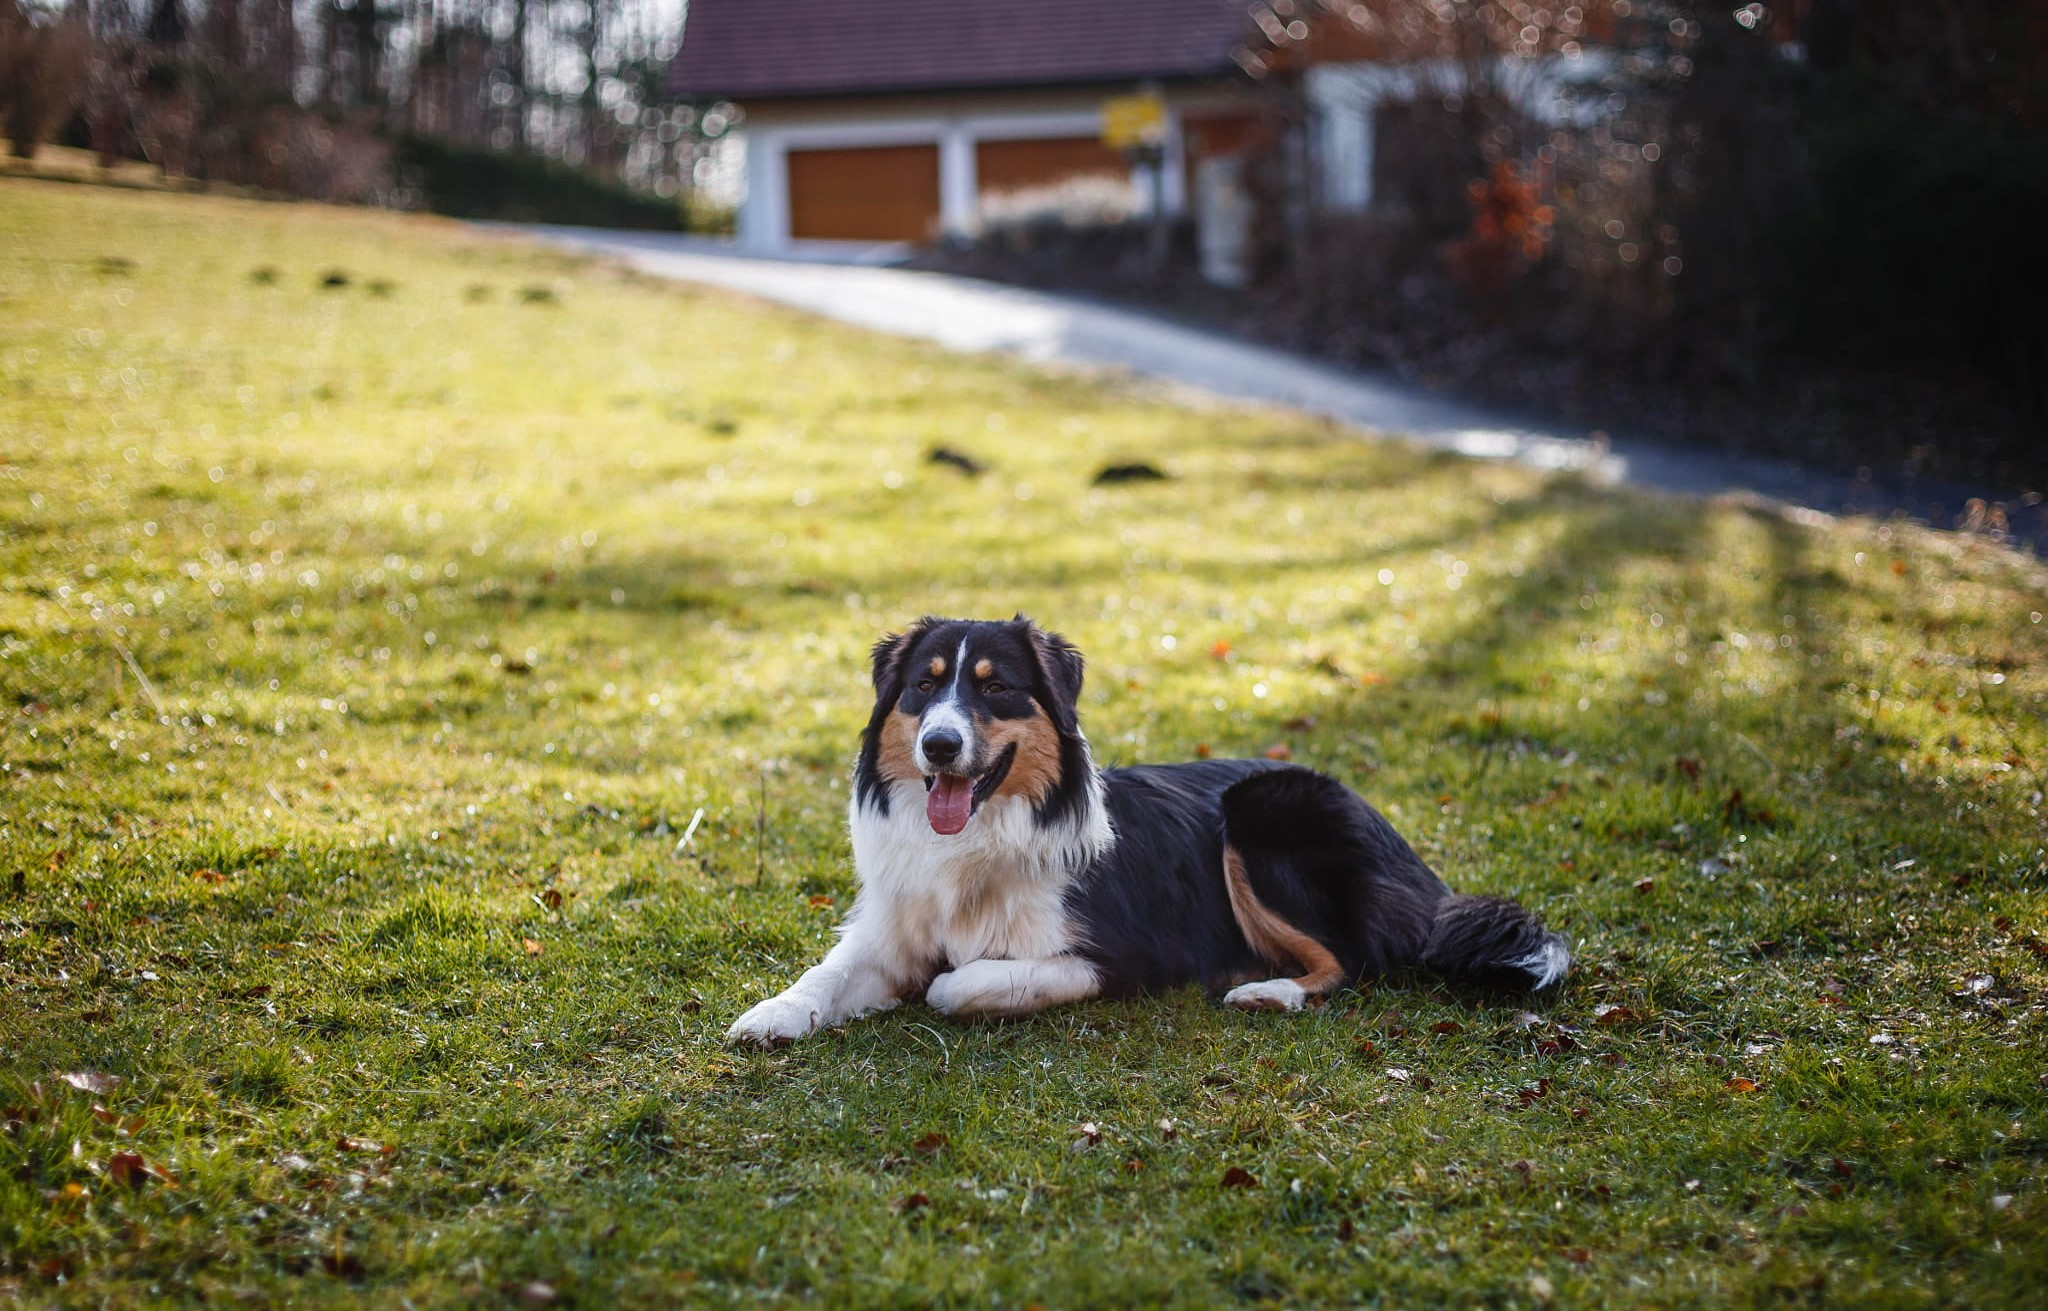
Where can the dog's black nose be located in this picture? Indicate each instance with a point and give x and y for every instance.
(941, 746)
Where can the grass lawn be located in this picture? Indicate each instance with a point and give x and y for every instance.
(367, 648)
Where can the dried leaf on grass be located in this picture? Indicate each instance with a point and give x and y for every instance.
(87, 1081)
(125, 1125)
(348, 1144)
(130, 1170)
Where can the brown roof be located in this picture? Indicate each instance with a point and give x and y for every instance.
(741, 49)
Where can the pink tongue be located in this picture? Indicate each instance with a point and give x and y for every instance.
(949, 803)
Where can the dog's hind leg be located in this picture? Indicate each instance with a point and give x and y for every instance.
(1279, 942)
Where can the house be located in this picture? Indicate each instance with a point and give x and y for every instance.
(897, 122)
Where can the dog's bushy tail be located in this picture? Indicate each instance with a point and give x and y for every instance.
(1491, 942)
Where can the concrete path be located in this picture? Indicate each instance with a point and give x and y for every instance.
(856, 285)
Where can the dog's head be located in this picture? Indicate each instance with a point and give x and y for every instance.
(975, 709)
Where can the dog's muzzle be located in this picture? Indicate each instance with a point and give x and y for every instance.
(954, 788)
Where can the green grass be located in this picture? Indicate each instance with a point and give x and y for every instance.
(460, 588)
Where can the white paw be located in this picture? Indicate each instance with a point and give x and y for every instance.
(1267, 995)
(947, 994)
(774, 1022)
(977, 987)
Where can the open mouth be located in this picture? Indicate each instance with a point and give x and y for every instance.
(951, 799)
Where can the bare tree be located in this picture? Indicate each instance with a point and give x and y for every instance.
(45, 70)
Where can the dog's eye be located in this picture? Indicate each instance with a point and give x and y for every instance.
(990, 689)
(924, 684)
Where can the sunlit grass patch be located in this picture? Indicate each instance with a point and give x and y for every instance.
(367, 656)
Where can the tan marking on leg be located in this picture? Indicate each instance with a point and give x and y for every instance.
(938, 666)
(1274, 938)
(983, 668)
(894, 758)
(1036, 770)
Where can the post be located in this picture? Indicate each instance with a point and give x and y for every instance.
(1162, 231)
(1136, 125)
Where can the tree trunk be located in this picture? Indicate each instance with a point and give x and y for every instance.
(587, 102)
(230, 42)
(367, 53)
(515, 71)
(329, 90)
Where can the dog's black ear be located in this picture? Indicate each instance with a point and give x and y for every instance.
(889, 655)
(1059, 669)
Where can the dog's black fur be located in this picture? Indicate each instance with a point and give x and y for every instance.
(1152, 911)
(1155, 913)
(1058, 881)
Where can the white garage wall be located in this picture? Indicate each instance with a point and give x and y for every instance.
(764, 215)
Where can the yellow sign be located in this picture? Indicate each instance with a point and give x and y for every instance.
(1130, 122)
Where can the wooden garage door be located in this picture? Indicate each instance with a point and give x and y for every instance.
(1020, 165)
(866, 193)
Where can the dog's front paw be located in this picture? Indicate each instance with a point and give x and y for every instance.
(956, 992)
(774, 1022)
(982, 987)
(943, 994)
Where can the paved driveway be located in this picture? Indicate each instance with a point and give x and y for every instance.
(859, 287)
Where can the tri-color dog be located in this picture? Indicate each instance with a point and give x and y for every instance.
(1001, 872)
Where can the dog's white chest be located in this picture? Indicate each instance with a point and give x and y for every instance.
(995, 891)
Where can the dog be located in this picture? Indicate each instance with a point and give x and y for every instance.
(1002, 873)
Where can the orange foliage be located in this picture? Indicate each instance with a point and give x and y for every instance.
(1510, 228)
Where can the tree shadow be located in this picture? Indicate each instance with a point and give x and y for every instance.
(1559, 742)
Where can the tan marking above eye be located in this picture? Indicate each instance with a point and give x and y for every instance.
(984, 668)
(938, 665)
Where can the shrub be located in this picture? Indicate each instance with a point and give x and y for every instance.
(468, 183)
(296, 152)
